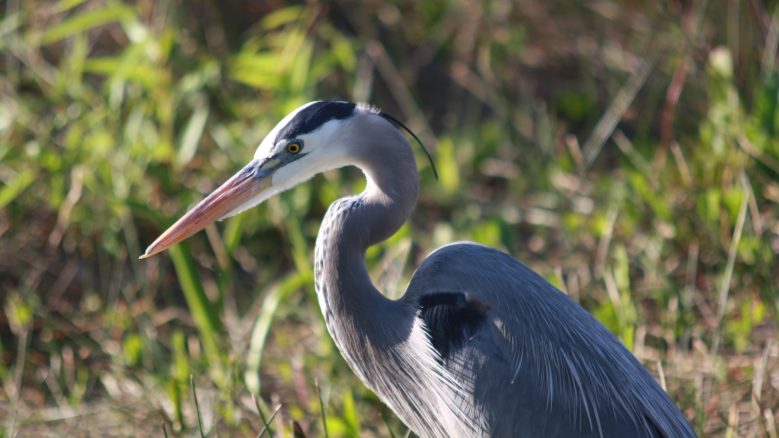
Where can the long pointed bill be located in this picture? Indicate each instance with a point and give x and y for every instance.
(234, 193)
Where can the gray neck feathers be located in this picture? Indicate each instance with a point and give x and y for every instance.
(382, 340)
(356, 313)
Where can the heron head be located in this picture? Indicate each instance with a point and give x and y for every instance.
(310, 140)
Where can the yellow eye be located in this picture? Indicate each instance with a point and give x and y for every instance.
(294, 147)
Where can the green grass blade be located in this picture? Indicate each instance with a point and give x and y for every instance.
(349, 414)
(266, 422)
(322, 408)
(87, 20)
(192, 133)
(257, 406)
(262, 327)
(13, 189)
(179, 375)
(197, 407)
(203, 311)
(389, 429)
(232, 232)
(300, 246)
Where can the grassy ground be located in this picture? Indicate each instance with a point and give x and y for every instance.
(628, 152)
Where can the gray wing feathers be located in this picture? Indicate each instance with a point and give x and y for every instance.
(543, 356)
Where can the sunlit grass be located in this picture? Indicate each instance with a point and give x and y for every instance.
(115, 118)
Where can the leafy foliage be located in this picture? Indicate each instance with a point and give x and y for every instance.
(628, 152)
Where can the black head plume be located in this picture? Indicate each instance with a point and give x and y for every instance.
(399, 124)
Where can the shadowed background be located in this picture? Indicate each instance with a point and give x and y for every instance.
(627, 151)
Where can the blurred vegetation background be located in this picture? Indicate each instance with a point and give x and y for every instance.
(627, 151)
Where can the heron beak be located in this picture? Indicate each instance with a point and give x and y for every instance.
(240, 189)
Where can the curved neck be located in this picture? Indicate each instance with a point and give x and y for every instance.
(353, 308)
(382, 340)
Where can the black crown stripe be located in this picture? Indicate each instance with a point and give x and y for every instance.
(314, 116)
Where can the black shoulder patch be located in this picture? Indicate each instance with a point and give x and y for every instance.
(451, 319)
(314, 116)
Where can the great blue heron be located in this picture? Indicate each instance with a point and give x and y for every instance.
(479, 345)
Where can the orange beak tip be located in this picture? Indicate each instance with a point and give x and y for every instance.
(149, 252)
(219, 205)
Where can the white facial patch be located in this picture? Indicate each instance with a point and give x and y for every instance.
(323, 149)
(265, 149)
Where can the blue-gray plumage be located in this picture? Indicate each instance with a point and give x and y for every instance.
(479, 345)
